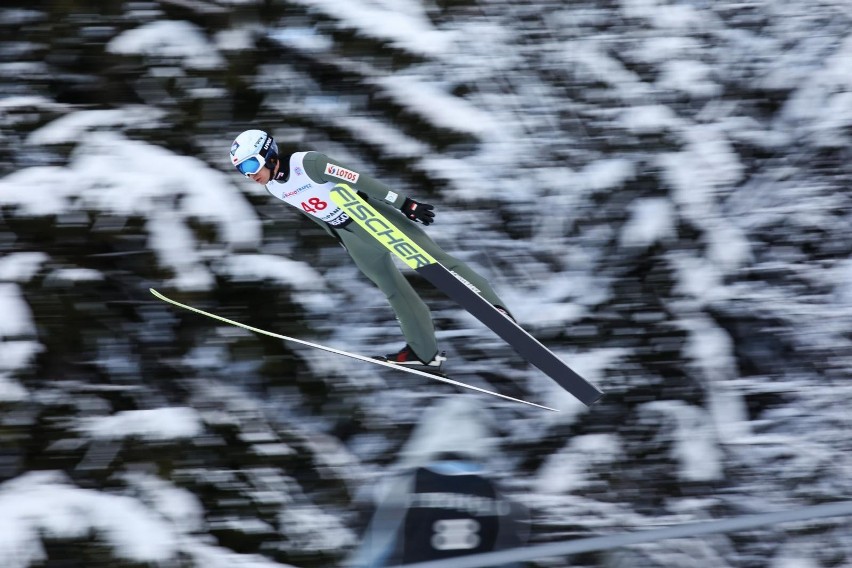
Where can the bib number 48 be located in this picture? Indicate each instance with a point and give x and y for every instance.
(314, 204)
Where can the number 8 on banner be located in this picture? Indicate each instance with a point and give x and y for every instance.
(455, 534)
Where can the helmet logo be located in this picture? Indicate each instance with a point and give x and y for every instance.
(234, 147)
(267, 143)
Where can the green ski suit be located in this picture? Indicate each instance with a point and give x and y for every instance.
(375, 261)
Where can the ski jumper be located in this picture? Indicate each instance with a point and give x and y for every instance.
(307, 187)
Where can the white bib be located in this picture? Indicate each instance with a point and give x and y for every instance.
(312, 197)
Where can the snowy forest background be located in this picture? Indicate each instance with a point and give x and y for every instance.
(658, 188)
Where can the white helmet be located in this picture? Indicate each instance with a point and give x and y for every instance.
(252, 150)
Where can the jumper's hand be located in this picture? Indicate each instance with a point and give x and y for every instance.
(417, 211)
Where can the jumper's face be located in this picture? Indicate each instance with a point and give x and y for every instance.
(262, 177)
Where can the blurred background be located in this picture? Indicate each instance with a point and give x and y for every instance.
(658, 188)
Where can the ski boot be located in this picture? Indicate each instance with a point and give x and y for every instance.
(405, 357)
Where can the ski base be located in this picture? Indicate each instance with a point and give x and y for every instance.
(438, 377)
(517, 337)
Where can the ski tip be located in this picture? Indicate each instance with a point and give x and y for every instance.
(160, 296)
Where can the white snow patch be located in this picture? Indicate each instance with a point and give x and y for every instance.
(552, 306)
(711, 351)
(841, 276)
(729, 246)
(309, 528)
(709, 162)
(820, 105)
(593, 64)
(11, 390)
(789, 558)
(710, 347)
(17, 319)
(590, 365)
(606, 174)
(649, 119)
(690, 77)
(709, 166)
(659, 49)
(169, 39)
(571, 468)
(651, 220)
(176, 247)
(75, 275)
(278, 449)
(242, 525)
(471, 434)
(45, 504)
(27, 101)
(665, 15)
(157, 424)
(431, 101)
(217, 557)
(74, 127)
(302, 38)
(282, 270)
(166, 189)
(16, 354)
(181, 507)
(390, 139)
(21, 266)
(697, 277)
(402, 23)
(694, 443)
(21, 16)
(235, 39)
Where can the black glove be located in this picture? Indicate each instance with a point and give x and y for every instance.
(417, 211)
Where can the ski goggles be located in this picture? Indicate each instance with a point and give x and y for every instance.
(251, 165)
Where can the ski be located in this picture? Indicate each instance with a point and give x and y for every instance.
(464, 293)
(437, 377)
